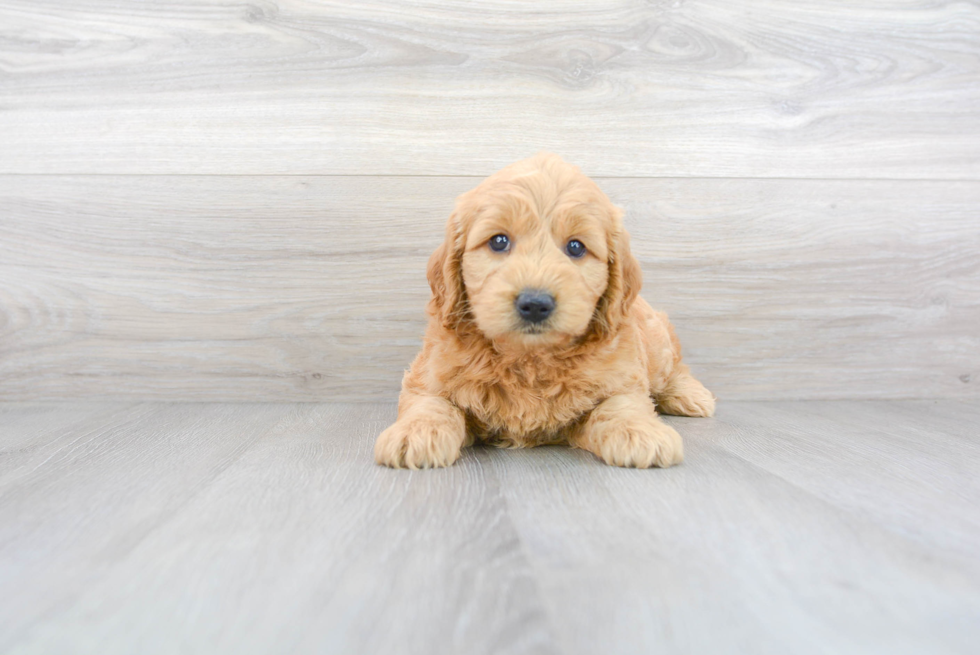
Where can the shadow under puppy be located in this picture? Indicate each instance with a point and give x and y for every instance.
(537, 335)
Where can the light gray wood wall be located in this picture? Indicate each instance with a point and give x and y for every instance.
(233, 201)
(764, 88)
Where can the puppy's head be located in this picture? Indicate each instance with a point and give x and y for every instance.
(535, 256)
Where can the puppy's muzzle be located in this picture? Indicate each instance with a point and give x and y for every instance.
(534, 305)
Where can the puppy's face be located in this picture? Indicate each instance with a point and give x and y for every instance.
(535, 256)
(533, 274)
(535, 244)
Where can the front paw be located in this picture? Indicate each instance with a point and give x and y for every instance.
(627, 432)
(642, 446)
(419, 442)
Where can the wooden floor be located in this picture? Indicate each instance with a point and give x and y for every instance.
(793, 527)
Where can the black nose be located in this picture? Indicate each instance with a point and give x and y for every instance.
(534, 306)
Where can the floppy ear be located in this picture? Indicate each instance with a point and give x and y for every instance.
(625, 280)
(445, 274)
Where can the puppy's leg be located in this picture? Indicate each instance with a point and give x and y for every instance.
(429, 432)
(685, 396)
(625, 430)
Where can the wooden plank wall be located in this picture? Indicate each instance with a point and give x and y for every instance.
(235, 201)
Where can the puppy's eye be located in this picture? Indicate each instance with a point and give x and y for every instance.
(499, 243)
(575, 248)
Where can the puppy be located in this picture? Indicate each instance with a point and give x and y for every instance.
(537, 335)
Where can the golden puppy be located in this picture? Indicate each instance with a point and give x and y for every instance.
(536, 334)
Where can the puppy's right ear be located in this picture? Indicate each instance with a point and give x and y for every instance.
(445, 274)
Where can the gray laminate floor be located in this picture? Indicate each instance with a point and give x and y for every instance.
(808, 527)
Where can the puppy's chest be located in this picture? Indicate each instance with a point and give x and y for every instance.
(513, 410)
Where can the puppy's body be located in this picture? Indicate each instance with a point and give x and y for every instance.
(588, 374)
(528, 398)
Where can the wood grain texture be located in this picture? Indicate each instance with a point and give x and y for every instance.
(777, 88)
(241, 528)
(725, 555)
(293, 543)
(908, 472)
(313, 288)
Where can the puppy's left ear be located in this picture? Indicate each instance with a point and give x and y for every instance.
(625, 280)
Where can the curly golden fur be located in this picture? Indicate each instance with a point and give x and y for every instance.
(590, 374)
